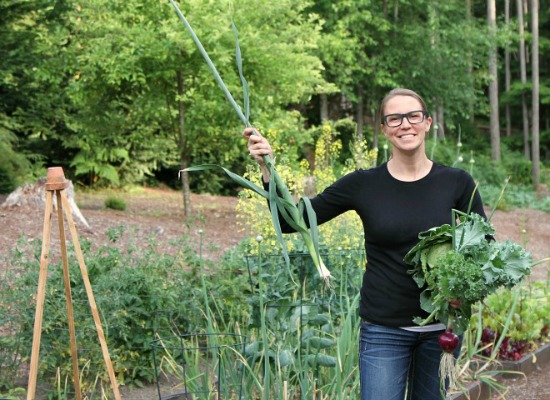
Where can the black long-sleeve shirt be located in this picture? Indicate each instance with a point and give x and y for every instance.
(393, 213)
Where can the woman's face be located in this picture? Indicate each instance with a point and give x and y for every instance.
(407, 137)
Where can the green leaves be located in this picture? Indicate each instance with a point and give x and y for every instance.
(472, 233)
(429, 238)
(508, 263)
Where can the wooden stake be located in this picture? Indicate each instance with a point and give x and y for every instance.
(40, 297)
(87, 284)
(68, 297)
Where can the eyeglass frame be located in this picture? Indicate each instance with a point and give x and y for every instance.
(406, 115)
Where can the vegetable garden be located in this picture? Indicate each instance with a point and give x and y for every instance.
(300, 336)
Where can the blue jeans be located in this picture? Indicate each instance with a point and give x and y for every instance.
(394, 362)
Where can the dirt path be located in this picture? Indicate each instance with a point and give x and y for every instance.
(154, 213)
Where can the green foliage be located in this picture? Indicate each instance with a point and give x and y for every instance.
(511, 323)
(98, 162)
(14, 167)
(531, 320)
(297, 333)
(13, 394)
(462, 150)
(115, 203)
(11, 346)
(140, 294)
(94, 87)
(7, 183)
(129, 78)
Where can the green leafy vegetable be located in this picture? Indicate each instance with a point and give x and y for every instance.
(460, 263)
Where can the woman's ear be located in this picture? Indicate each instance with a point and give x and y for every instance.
(429, 120)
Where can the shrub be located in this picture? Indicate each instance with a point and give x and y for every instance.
(115, 203)
(7, 182)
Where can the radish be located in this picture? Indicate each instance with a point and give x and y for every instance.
(448, 341)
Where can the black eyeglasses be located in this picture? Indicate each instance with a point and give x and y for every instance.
(414, 117)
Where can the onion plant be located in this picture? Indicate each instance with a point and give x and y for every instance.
(280, 199)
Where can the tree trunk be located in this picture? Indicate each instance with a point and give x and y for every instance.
(376, 130)
(493, 83)
(435, 122)
(34, 195)
(471, 112)
(323, 106)
(508, 79)
(535, 151)
(441, 121)
(523, 77)
(396, 11)
(184, 162)
(359, 113)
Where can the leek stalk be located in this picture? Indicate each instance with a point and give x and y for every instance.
(283, 204)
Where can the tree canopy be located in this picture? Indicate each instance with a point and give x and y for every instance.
(116, 92)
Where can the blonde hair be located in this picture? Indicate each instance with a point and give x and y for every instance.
(399, 92)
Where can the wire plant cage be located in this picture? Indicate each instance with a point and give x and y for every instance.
(199, 366)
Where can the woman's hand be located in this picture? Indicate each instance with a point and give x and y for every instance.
(258, 147)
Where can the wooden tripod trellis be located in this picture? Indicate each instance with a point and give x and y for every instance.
(56, 183)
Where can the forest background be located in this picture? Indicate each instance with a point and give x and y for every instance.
(117, 93)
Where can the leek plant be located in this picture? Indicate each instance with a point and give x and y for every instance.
(302, 344)
(305, 345)
(280, 199)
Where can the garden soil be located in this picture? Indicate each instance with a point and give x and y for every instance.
(157, 214)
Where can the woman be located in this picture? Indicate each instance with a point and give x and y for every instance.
(395, 201)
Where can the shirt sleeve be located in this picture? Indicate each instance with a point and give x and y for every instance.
(331, 202)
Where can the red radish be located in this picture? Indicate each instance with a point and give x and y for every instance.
(448, 341)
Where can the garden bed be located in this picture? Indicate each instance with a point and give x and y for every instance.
(474, 391)
(157, 213)
(528, 364)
